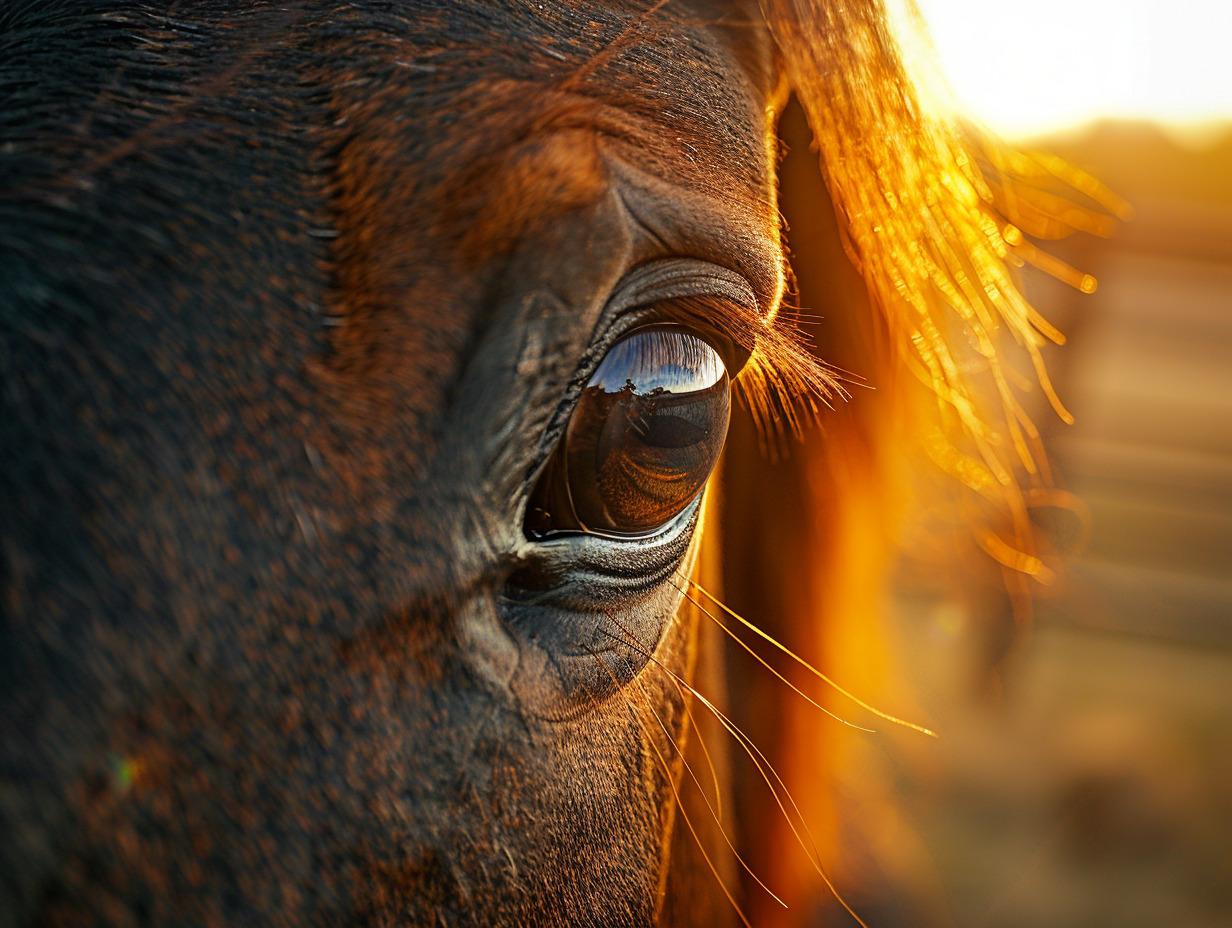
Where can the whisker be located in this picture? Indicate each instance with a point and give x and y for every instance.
(714, 774)
(821, 676)
(667, 772)
(763, 662)
(689, 768)
(751, 750)
(815, 858)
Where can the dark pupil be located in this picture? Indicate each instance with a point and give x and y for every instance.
(646, 433)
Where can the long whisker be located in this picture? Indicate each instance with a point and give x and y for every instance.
(815, 858)
(671, 781)
(817, 673)
(688, 767)
(736, 638)
(717, 810)
(753, 753)
(714, 774)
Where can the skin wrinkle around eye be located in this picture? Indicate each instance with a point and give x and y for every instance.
(707, 226)
(718, 298)
(558, 599)
(593, 581)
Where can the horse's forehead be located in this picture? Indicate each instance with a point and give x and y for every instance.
(450, 120)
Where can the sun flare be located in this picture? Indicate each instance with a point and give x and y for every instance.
(1025, 69)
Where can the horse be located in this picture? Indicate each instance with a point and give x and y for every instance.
(364, 366)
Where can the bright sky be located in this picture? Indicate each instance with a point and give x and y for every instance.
(1024, 67)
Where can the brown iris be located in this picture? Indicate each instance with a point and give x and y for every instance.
(642, 441)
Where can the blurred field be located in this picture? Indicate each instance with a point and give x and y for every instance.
(1097, 789)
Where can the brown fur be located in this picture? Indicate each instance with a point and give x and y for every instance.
(296, 302)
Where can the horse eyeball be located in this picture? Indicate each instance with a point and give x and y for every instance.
(643, 439)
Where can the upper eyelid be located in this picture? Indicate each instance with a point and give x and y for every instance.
(781, 377)
(676, 279)
(686, 291)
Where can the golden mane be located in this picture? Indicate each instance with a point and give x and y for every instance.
(933, 211)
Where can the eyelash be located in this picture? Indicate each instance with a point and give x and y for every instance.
(773, 370)
(775, 375)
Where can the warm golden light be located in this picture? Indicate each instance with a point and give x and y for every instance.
(1026, 68)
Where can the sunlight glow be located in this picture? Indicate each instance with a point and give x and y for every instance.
(1027, 68)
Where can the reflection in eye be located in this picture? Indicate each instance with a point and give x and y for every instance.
(643, 439)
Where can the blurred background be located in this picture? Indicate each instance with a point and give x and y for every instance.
(1089, 783)
(1083, 773)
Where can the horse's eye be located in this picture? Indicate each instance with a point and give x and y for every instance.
(642, 440)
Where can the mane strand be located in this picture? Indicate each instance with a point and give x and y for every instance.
(934, 212)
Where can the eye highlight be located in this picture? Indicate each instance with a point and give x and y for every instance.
(642, 440)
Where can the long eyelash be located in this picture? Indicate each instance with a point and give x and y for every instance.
(783, 384)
